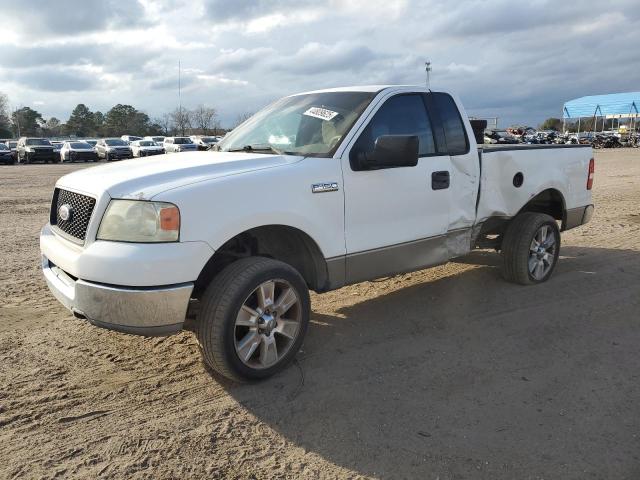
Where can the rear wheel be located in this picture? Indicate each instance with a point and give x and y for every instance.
(253, 318)
(530, 248)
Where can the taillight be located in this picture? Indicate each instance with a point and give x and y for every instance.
(592, 169)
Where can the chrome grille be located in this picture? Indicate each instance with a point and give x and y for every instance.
(81, 208)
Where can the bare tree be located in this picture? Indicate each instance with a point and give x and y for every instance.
(242, 118)
(5, 120)
(52, 127)
(181, 119)
(204, 118)
(165, 122)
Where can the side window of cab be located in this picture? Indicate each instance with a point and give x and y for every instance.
(403, 114)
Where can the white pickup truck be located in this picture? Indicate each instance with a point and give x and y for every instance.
(318, 190)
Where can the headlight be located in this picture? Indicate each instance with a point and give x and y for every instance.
(140, 221)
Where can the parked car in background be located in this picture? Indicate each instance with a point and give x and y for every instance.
(6, 155)
(179, 144)
(57, 146)
(73, 151)
(130, 138)
(204, 142)
(158, 138)
(113, 149)
(145, 148)
(32, 149)
(90, 141)
(13, 146)
(501, 137)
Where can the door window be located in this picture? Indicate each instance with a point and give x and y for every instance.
(400, 115)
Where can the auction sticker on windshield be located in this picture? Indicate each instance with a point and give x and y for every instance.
(321, 113)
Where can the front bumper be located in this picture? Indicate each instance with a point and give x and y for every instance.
(150, 311)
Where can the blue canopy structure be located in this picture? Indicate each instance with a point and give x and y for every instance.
(615, 104)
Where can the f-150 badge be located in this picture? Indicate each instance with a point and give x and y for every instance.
(324, 187)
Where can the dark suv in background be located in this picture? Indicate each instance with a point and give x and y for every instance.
(6, 156)
(32, 149)
(113, 149)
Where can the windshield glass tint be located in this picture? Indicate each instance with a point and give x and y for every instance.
(38, 141)
(311, 124)
(80, 145)
(3, 147)
(115, 142)
(208, 139)
(146, 143)
(13, 144)
(182, 141)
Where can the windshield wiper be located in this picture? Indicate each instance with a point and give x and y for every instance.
(257, 148)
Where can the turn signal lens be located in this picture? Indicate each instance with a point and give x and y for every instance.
(592, 169)
(170, 219)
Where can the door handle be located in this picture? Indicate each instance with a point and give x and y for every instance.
(440, 180)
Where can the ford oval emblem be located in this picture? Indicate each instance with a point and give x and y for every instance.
(64, 212)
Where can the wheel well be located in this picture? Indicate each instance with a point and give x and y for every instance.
(280, 242)
(549, 201)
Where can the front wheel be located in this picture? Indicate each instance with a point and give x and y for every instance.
(530, 248)
(253, 319)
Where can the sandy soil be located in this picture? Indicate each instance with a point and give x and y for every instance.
(449, 373)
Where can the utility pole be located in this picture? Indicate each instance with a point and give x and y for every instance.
(180, 99)
(17, 117)
(427, 68)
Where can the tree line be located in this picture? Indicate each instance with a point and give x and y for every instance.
(119, 120)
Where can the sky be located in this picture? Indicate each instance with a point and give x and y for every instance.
(518, 61)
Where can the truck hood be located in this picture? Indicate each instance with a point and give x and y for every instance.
(144, 178)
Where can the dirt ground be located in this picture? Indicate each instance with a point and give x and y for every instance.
(448, 373)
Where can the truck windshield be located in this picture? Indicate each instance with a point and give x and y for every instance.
(311, 124)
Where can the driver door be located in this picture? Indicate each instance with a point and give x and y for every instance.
(396, 218)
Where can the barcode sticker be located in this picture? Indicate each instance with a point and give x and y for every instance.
(321, 113)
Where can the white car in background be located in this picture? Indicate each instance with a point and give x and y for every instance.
(130, 138)
(78, 151)
(57, 146)
(179, 144)
(156, 138)
(204, 142)
(146, 148)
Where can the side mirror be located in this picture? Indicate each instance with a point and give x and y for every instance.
(390, 151)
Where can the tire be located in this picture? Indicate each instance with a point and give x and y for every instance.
(523, 260)
(237, 287)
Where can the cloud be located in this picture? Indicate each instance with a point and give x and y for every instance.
(55, 81)
(316, 57)
(61, 17)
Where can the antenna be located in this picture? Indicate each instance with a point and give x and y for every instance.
(179, 88)
(427, 68)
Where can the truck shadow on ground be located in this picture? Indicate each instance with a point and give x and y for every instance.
(467, 376)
